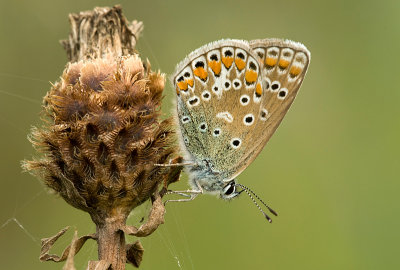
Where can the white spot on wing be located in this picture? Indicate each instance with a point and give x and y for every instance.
(275, 85)
(185, 119)
(226, 116)
(267, 83)
(264, 115)
(300, 60)
(237, 84)
(272, 53)
(227, 85)
(206, 95)
(235, 143)
(217, 132)
(248, 119)
(216, 53)
(193, 101)
(217, 89)
(256, 98)
(260, 53)
(244, 100)
(224, 52)
(282, 93)
(203, 127)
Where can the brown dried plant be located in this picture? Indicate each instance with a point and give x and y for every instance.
(102, 136)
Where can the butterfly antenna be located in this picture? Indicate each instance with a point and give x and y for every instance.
(248, 191)
(259, 208)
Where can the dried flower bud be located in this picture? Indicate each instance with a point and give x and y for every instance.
(104, 135)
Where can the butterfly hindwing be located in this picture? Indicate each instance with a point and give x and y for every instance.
(284, 64)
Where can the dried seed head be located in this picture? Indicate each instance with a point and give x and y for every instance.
(104, 135)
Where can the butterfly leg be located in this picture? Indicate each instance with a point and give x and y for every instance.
(170, 164)
(175, 164)
(192, 197)
(191, 194)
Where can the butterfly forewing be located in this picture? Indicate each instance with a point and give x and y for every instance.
(219, 94)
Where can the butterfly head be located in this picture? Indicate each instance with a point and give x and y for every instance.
(229, 191)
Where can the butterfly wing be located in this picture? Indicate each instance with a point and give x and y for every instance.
(219, 94)
(284, 64)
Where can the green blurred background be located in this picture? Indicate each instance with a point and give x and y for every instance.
(331, 169)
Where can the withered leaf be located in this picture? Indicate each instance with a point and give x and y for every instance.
(156, 218)
(134, 253)
(76, 245)
(69, 265)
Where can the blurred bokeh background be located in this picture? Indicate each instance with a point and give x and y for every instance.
(331, 170)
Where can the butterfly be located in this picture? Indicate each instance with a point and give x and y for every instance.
(231, 96)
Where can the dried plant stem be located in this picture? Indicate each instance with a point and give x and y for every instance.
(111, 242)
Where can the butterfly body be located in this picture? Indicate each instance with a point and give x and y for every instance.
(231, 97)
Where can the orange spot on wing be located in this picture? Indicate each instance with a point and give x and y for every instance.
(240, 64)
(295, 70)
(190, 82)
(227, 61)
(215, 66)
(270, 61)
(283, 63)
(251, 76)
(201, 73)
(182, 85)
(177, 91)
(258, 89)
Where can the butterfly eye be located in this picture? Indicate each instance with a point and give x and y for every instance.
(230, 190)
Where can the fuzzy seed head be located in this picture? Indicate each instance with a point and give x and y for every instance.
(103, 135)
